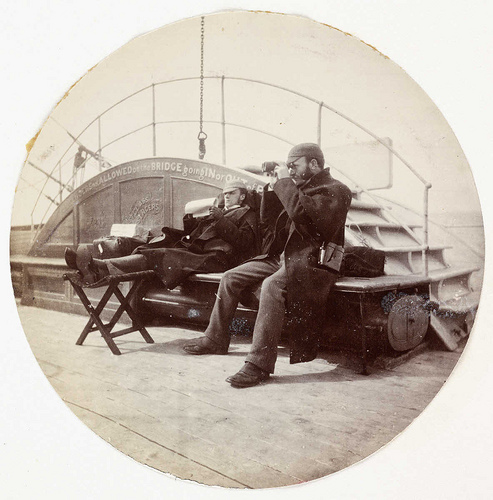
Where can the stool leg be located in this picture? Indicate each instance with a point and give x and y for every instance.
(120, 310)
(88, 307)
(94, 315)
(116, 317)
(136, 321)
(105, 330)
(107, 336)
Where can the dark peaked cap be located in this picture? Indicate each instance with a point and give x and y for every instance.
(308, 149)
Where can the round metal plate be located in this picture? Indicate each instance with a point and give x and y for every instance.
(408, 322)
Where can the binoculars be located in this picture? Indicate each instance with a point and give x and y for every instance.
(269, 166)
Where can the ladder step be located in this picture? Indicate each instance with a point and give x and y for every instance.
(461, 305)
(451, 272)
(450, 336)
(364, 205)
(380, 224)
(404, 249)
(365, 217)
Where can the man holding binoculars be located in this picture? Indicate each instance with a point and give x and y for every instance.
(303, 211)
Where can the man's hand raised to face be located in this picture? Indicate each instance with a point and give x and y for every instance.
(280, 172)
(216, 213)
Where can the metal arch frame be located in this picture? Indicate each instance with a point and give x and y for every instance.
(321, 105)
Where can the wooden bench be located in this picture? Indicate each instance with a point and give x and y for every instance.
(358, 319)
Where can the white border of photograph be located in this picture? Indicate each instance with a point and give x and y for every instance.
(447, 47)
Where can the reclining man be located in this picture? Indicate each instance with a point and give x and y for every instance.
(296, 219)
(219, 241)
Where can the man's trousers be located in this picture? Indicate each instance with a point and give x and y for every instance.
(271, 272)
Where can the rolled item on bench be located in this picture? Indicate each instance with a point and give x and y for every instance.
(199, 208)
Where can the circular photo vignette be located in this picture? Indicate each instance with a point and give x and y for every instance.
(123, 149)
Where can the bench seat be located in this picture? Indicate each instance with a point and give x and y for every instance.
(344, 283)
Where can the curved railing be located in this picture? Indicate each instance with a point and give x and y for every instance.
(70, 184)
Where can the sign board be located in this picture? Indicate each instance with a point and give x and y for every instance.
(150, 192)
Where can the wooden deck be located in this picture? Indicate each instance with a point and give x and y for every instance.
(175, 412)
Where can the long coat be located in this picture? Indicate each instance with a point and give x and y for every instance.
(305, 216)
(211, 246)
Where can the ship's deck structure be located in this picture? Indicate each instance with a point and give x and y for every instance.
(175, 412)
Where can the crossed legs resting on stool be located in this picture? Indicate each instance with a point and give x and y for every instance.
(262, 357)
(92, 270)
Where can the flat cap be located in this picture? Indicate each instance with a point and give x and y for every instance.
(232, 185)
(308, 149)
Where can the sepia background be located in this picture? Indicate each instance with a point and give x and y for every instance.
(446, 422)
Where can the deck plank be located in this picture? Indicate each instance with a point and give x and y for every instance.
(176, 413)
(186, 443)
(150, 453)
(203, 418)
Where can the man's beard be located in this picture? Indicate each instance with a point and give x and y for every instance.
(302, 178)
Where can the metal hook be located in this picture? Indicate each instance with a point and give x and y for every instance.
(202, 137)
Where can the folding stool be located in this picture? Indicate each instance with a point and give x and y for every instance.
(112, 282)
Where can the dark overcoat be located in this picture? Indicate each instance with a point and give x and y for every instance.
(312, 213)
(211, 246)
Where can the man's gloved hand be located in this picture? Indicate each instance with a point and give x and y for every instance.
(216, 213)
(280, 172)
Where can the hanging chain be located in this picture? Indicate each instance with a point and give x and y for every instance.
(201, 72)
(202, 135)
